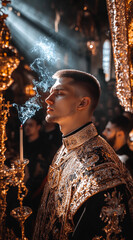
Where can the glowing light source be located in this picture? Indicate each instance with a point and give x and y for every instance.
(85, 8)
(76, 28)
(29, 90)
(106, 59)
(91, 45)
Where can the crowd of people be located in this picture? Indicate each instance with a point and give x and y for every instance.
(43, 138)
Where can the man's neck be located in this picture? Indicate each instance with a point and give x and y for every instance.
(69, 128)
(33, 138)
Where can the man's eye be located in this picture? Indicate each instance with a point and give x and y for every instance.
(60, 93)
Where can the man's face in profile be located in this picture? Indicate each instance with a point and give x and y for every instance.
(62, 101)
(109, 133)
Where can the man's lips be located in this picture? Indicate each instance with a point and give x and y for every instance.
(49, 109)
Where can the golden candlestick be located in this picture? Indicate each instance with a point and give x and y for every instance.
(5, 173)
(21, 213)
(15, 175)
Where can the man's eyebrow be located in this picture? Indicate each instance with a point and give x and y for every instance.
(57, 89)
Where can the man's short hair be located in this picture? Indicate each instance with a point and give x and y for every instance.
(85, 80)
(122, 123)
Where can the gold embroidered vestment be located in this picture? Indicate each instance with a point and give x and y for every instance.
(84, 166)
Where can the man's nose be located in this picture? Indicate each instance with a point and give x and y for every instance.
(104, 133)
(49, 99)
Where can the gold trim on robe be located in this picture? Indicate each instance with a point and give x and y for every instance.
(84, 166)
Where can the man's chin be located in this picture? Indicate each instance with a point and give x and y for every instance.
(49, 119)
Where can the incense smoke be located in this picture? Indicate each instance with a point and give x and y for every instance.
(43, 66)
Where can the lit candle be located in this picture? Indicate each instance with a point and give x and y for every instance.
(21, 143)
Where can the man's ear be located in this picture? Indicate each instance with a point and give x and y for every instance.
(84, 103)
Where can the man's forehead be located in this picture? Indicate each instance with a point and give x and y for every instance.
(62, 82)
(110, 125)
(30, 123)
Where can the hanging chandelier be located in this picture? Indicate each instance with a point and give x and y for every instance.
(8, 54)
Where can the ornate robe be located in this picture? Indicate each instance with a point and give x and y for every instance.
(84, 167)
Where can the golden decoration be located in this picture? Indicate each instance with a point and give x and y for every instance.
(121, 24)
(113, 213)
(23, 212)
(8, 55)
(15, 175)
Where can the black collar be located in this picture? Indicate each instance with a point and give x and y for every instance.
(78, 129)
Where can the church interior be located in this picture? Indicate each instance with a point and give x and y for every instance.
(37, 38)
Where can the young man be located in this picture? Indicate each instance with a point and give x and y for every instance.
(116, 132)
(86, 196)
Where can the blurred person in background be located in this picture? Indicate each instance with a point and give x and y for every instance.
(36, 150)
(116, 132)
(130, 140)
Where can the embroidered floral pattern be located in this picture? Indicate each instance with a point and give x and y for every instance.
(112, 214)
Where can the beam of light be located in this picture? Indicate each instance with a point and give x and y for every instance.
(25, 36)
(65, 42)
(44, 22)
(31, 13)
